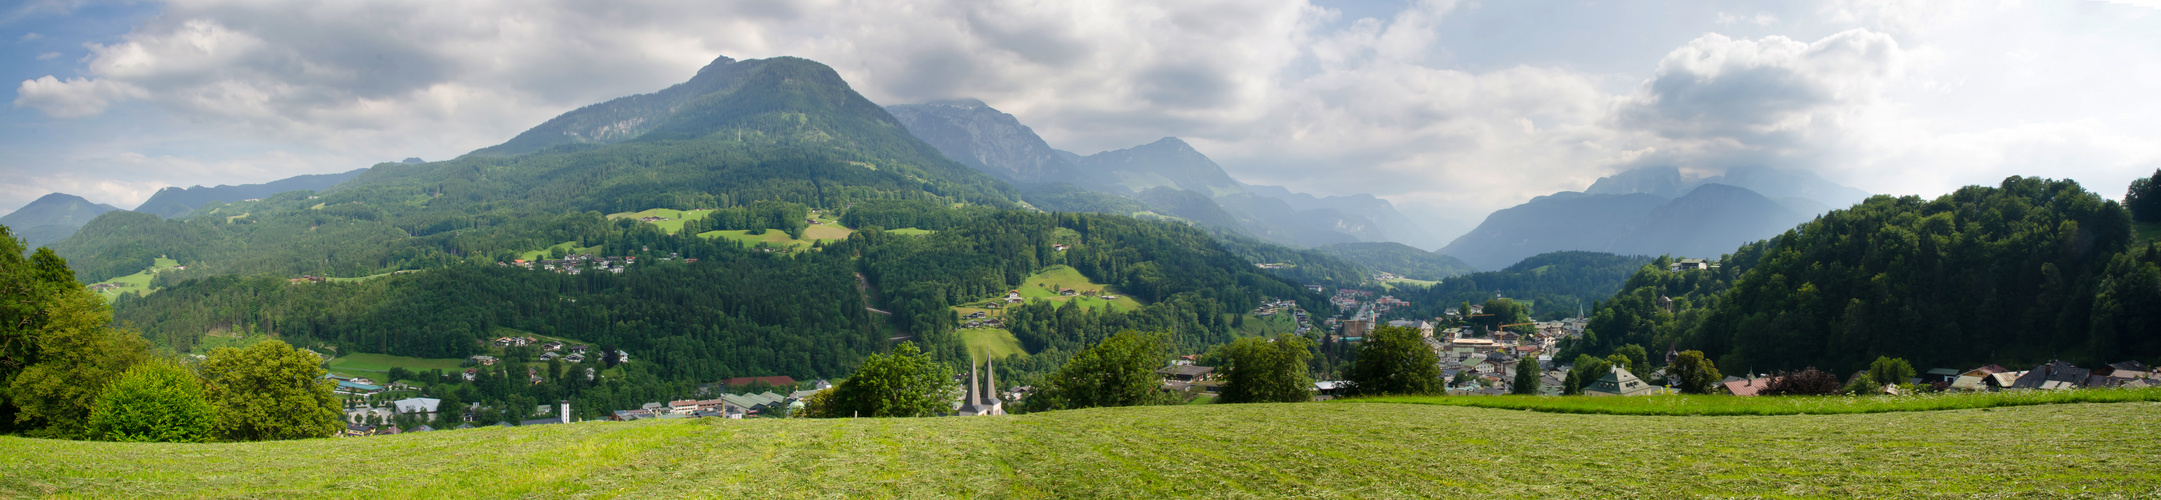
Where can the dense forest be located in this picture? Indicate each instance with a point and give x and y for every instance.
(2019, 274)
(1556, 285)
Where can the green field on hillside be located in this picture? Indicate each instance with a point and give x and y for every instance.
(909, 231)
(2145, 231)
(375, 366)
(996, 343)
(674, 219)
(1044, 285)
(1411, 282)
(138, 282)
(1213, 450)
(1260, 326)
(569, 247)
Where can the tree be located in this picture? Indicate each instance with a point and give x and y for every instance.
(1267, 370)
(1395, 360)
(2144, 199)
(157, 401)
(1501, 312)
(1862, 384)
(57, 350)
(1586, 370)
(270, 391)
(1889, 370)
(1527, 376)
(1119, 371)
(904, 383)
(1807, 382)
(817, 405)
(1639, 361)
(1693, 373)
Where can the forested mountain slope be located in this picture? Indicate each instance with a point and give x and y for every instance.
(781, 129)
(176, 201)
(1401, 259)
(2021, 273)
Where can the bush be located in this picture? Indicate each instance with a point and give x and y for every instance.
(1261, 370)
(905, 383)
(1395, 360)
(1807, 382)
(1119, 371)
(158, 401)
(1862, 384)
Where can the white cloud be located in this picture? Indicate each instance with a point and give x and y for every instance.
(48, 56)
(1879, 94)
(73, 97)
(29, 36)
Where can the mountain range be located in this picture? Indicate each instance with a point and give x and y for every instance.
(51, 218)
(174, 201)
(1654, 211)
(1169, 177)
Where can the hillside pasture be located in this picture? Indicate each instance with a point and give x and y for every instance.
(375, 366)
(138, 282)
(673, 219)
(1044, 285)
(991, 343)
(568, 247)
(1302, 450)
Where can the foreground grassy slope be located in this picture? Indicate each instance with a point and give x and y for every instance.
(1301, 450)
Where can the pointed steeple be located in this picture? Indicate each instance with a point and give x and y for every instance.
(990, 385)
(969, 400)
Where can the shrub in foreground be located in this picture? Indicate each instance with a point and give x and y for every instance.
(157, 401)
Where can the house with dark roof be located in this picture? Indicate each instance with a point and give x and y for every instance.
(1186, 373)
(2057, 374)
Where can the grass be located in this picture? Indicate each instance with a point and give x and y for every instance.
(1044, 285)
(995, 343)
(569, 248)
(1411, 282)
(909, 231)
(375, 366)
(2145, 231)
(1716, 405)
(1210, 450)
(138, 282)
(1259, 326)
(675, 218)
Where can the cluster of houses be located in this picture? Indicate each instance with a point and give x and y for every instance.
(979, 319)
(726, 405)
(575, 264)
(1276, 266)
(2055, 375)
(1272, 305)
(425, 409)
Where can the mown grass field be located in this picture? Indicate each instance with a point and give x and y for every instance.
(675, 218)
(1044, 285)
(1215, 451)
(375, 366)
(1724, 405)
(138, 282)
(1257, 326)
(991, 343)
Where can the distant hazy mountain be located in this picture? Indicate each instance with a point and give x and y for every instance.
(51, 218)
(1562, 221)
(985, 139)
(174, 202)
(996, 143)
(1403, 260)
(1800, 190)
(1708, 221)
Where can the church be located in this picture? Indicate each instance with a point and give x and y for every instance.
(981, 400)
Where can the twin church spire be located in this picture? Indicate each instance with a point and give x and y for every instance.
(983, 399)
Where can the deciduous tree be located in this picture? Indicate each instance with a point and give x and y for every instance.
(270, 391)
(1267, 370)
(1693, 373)
(1119, 371)
(1395, 360)
(903, 383)
(156, 401)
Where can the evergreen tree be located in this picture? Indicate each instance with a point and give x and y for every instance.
(1527, 376)
(2144, 198)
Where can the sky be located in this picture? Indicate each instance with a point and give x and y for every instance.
(1449, 109)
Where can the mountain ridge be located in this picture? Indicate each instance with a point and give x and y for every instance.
(52, 217)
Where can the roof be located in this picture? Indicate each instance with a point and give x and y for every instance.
(347, 384)
(1747, 387)
(1186, 370)
(409, 405)
(1946, 372)
(2054, 375)
(1619, 382)
(781, 380)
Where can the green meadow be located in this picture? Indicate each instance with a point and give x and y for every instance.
(138, 282)
(991, 343)
(568, 248)
(375, 366)
(1370, 450)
